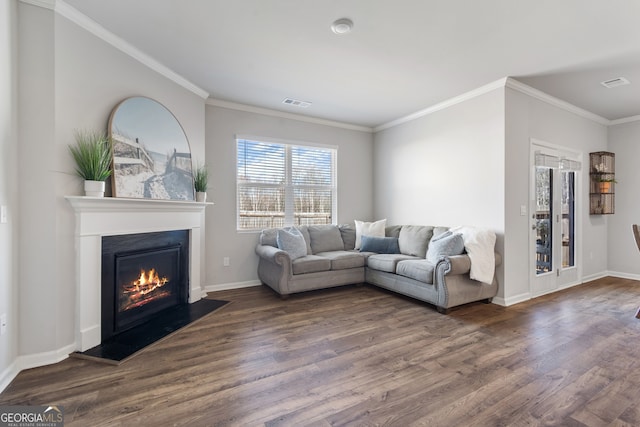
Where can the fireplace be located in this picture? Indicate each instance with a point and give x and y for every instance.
(142, 275)
(98, 217)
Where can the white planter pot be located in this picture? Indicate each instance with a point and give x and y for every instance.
(94, 188)
(201, 196)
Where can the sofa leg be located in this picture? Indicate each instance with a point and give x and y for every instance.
(284, 297)
(487, 301)
(442, 310)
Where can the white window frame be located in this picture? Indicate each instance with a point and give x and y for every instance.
(289, 187)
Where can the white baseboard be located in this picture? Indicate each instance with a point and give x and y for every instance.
(46, 358)
(8, 375)
(234, 285)
(33, 361)
(527, 295)
(623, 275)
(498, 301)
(506, 302)
(595, 276)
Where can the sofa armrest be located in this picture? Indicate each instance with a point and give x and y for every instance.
(273, 254)
(274, 268)
(460, 264)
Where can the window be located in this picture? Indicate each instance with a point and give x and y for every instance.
(281, 184)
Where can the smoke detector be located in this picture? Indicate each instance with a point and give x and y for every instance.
(618, 81)
(342, 26)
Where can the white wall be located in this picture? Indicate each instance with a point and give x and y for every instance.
(446, 168)
(624, 257)
(36, 177)
(69, 79)
(8, 187)
(528, 117)
(355, 183)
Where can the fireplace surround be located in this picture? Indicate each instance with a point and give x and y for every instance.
(97, 217)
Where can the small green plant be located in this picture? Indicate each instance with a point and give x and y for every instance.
(92, 154)
(200, 178)
(601, 179)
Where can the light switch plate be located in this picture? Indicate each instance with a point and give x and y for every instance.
(3, 324)
(523, 210)
(3, 214)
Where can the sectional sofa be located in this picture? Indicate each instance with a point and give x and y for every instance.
(410, 263)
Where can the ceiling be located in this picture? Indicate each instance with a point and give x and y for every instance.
(402, 56)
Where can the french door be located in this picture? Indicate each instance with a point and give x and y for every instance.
(554, 218)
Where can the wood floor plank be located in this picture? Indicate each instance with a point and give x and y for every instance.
(359, 355)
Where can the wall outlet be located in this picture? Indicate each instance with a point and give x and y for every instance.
(225, 261)
(3, 214)
(3, 324)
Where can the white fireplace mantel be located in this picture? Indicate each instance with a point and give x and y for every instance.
(109, 216)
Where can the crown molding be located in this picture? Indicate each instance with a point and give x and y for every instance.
(624, 120)
(45, 4)
(444, 104)
(557, 102)
(64, 9)
(512, 84)
(275, 113)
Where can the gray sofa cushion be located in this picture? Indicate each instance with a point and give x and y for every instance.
(310, 264)
(392, 230)
(291, 241)
(414, 239)
(325, 238)
(380, 245)
(348, 233)
(341, 260)
(418, 269)
(386, 262)
(445, 245)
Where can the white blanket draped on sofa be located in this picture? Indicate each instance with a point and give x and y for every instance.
(480, 245)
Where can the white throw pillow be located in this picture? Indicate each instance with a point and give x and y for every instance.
(372, 229)
(291, 240)
(445, 245)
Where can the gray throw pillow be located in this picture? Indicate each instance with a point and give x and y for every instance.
(325, 238)
(348, 233)
(413, 239)
(291, 241)
(380, 245)
(445, 245)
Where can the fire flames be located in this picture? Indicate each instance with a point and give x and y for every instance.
(144, 289)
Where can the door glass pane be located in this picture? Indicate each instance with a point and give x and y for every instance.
(568, 219)
(543, 224)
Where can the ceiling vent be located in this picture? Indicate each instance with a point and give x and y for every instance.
(296, 103)
(620, 81)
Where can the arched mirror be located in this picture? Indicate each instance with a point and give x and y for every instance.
(151, 153)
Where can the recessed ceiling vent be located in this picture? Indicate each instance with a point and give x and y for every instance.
(296, 103)
(620, 81)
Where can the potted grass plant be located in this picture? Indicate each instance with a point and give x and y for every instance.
(200, 182)
(92, 154)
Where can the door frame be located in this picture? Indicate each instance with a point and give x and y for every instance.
(560, 277)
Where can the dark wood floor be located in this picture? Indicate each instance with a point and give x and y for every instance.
(361, 356)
